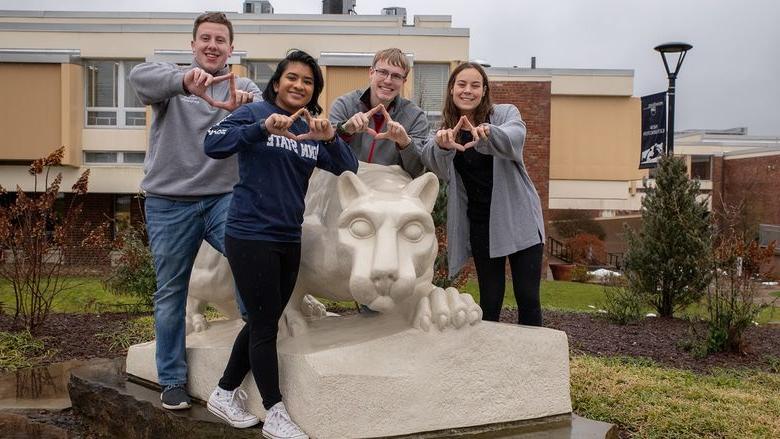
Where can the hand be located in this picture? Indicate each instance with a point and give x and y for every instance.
(319, 128)
(280, 124)
(198, 81)
(395, 131)
(359, 122)
(446, 138)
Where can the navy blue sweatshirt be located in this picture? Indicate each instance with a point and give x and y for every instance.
(274, 171)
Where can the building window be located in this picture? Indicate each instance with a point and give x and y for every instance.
(110, 100)
(121, 213)
(430, 83)
(114, 157)
(701, 167)
(260, 72)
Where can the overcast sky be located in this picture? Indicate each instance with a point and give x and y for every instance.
(731, 77)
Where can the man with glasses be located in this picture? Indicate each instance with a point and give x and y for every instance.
(390, 134)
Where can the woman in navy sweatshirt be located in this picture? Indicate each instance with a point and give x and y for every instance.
(279, 143)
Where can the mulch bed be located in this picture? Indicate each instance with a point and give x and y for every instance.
(75, 336)
(658, 339)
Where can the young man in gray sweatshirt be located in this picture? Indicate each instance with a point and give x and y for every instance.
(187, 193)
(391, 137)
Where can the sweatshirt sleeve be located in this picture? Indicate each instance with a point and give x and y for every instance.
(437, 159)
(235, 132)
(410, 156)
(251, 87)
(156, 82)
(338, 157)
(338, 113)
(507, 134)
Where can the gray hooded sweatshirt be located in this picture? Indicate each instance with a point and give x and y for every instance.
(175, 164)
(515, 210)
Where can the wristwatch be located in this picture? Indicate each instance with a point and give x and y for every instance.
(340, 130)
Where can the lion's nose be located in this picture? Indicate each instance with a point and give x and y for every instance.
(383, 281)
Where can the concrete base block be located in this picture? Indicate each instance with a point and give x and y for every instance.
(360, 376)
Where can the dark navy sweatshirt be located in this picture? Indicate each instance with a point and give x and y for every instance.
(274, 171)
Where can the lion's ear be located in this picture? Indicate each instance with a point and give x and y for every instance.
(350, 188)
(424, 187)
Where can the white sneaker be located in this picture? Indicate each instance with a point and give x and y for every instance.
(229, 406)
(278, 424)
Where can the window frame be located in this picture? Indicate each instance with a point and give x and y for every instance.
(247, 62)
(120, 111)
(120, 158)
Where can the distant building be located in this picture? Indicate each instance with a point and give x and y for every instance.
(63, 76)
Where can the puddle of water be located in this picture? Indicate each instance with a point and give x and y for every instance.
(43, 387)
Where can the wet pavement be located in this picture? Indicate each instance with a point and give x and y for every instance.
(43, 387)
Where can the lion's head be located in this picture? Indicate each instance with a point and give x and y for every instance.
(387, 231)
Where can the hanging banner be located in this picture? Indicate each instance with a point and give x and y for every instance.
(653, 129)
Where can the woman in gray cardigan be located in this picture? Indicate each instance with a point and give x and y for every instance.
(493, 210)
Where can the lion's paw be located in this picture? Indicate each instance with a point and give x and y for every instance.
(312, 308)
(196, 323)
(444, 308)
(293, 324)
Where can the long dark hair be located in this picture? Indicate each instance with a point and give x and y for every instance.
(269, 94)
(451, 113)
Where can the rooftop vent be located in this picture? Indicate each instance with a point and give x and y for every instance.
(395, 10)
(258, 7)
(341, 7)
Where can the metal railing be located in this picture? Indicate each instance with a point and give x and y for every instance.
(558, 249)
(615, 260)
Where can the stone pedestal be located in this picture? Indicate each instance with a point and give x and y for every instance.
(361, 376)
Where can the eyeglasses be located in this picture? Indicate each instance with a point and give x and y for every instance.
(382, 73)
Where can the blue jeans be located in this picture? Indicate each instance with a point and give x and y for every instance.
(176, 230)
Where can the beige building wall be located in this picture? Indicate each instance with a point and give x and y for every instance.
(32, 95)
(72, 115)
(595, 138)
(341, 80)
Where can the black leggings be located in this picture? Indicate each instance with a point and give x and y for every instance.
(265, 274)
(526, 266)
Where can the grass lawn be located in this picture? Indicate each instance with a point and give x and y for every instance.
(656, 402)
(775, 293)
(576, 296)
(86, 295)
(569, 296)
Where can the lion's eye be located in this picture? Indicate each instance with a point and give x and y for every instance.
(413, 232)
(361, 229)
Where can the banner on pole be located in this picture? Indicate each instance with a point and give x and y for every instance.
(653, 130)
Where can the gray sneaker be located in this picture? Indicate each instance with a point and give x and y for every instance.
(175, 397)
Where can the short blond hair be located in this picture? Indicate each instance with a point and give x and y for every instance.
(394, 57)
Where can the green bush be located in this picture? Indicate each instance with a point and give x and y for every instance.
(135, 331)
(580, 274)
(668, 259)
(134, 272)
(20, 350)
(731, 303)
(623, 305)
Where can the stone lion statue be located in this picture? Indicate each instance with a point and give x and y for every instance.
(367, 238)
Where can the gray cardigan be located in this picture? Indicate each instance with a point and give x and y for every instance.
(516, 221)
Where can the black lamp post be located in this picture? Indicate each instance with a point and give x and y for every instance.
(682, 49)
